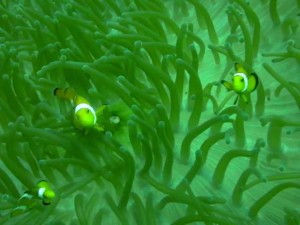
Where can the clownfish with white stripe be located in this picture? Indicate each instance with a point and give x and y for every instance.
(84, 115)
(42, 191)
(242, 83)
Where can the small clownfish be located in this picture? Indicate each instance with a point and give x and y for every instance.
(84, 116)
(43, 191)
(28, 200)
(242, 83)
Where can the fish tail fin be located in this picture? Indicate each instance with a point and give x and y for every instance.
(19, 210)
(26, 200)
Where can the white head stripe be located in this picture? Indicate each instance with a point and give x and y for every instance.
(86, 106)
(245, 80)
(41, 192)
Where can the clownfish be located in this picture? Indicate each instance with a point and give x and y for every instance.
(242, 82)
(42, 191)
(84, 115)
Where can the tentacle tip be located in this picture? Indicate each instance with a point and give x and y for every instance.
(161, 124)
(130, 123)
(138, 44)
(108, 134)
(127, 52)
(121, 78)
(179, 61)
(85, 68)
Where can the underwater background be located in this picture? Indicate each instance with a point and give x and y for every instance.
(183, 152)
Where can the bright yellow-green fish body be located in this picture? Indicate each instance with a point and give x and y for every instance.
(84, 115)
(242, 83)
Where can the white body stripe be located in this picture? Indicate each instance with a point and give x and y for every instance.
(86, 106)
(41, 192)
(245, 80)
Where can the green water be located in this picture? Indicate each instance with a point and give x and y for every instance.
(183, 152)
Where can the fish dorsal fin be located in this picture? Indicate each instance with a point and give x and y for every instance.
(239, 68)
(66, 94)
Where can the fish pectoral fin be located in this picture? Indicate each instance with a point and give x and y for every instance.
(227, 84)
(253, 82)
(100, 110)
(239, 68)
(99, 128)
(244, 97)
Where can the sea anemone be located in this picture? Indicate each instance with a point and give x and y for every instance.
(183, 152)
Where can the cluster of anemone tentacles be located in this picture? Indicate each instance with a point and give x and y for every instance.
(184, 153)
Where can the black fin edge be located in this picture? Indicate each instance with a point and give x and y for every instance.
(55, 90)
(257, 80)
(46, 203)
